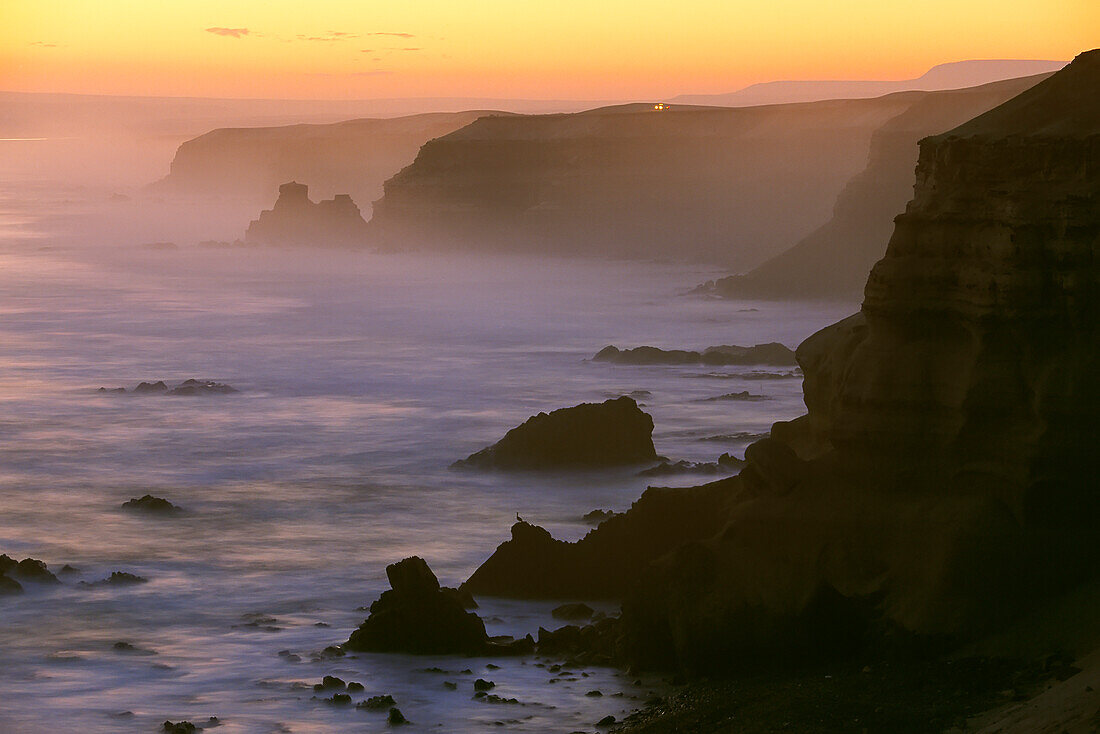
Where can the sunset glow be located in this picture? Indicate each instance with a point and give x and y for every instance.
(568, 49)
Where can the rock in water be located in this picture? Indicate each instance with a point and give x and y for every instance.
(295, 220)
(612, 433)
(416, 616)
(150, 504)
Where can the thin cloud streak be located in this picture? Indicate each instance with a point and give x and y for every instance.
(231, 32)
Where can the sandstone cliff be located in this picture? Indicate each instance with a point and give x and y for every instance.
(295, 220)
(732, 186)
(834, 260)
(354, 156)
(944, 477)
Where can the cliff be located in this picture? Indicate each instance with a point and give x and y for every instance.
(943, 480)
(731, 186)
(295, 220)
(354, 156)
(834, 260)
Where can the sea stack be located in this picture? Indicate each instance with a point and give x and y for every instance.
(295, 220)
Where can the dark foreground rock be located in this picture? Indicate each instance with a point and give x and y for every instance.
(151, 505)
(730, 354)
(417, 616)
(609, 559)
(591, 435)
(726, 464)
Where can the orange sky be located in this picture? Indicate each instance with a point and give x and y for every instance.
(577, 49)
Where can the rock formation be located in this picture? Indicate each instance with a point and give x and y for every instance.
(295, 220)
(416, 616)
(835, 259)
(612, 433)
(943, 479)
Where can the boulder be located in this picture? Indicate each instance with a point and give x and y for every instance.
(591, 435)
(150, 504)
(416, 616)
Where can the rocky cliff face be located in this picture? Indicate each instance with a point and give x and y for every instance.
(834, 260)
(354, 156)
(723, 185)
(944, 478)
(295, 220)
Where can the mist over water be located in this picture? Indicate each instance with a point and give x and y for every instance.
(361, 378)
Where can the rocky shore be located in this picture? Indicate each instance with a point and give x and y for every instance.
(939, 490)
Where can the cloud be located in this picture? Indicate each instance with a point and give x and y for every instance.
(234, 32)
(394, 35)
(43, 44)
(329, 36)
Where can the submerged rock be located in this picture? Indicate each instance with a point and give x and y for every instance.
(416, 616)
(590, 435)
(9, 586)
(729, 354)
(377, 702)
(150, 504)
(188, 387)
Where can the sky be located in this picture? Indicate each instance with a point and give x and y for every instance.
(559, 49)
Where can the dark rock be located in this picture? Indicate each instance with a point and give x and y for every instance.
(122, 578)
(29, 569)
(355, 687)
(377, 702)
(595, 517)
(730, 354)
(295, 220)
(483, 685)
(396, 717)
(572, 611)
(145, 388)
(744, 396)
(150, 504)
(450, 685)
(202, 387)
(329, 683)
(179, 727)
(9, 586)
(416, 616)
(462, 596)
(340, 699)
(68, 570)
(594, 694)
(612, 433)
(608, 720)
(606, 562)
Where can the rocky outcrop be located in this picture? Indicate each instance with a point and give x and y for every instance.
(188, 387)
(834, 260)
(730, 186)
(728, 354)
(149, 504)
(416, 616)
(295, 220)
(610, 559)
(590, 435)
